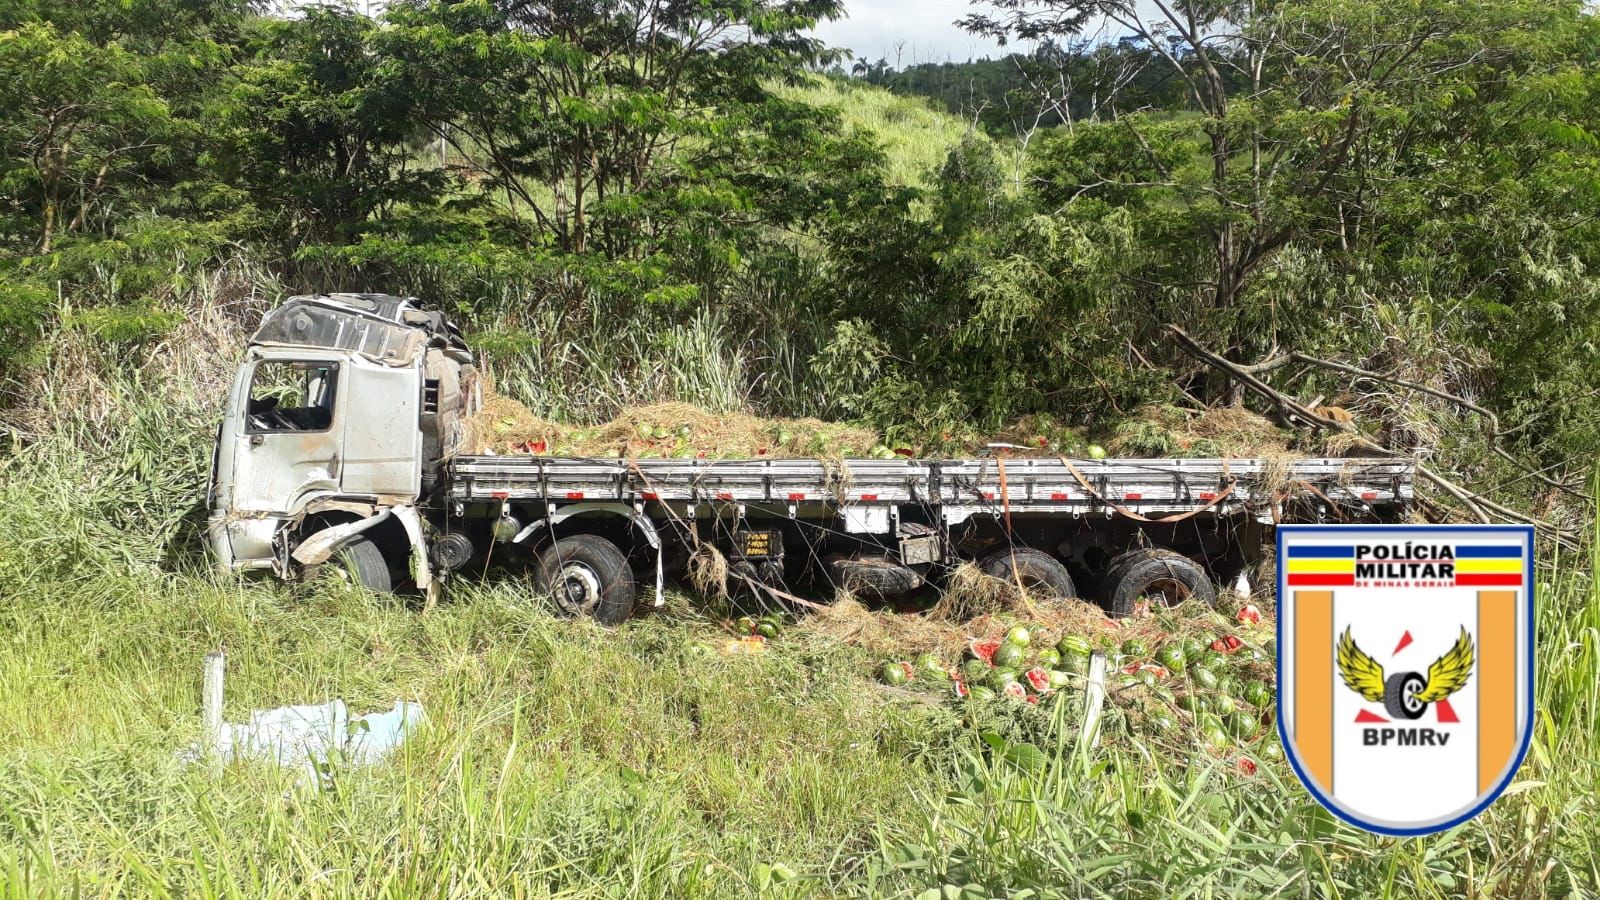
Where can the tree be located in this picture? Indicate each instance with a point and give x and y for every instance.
(75, 122)
(318, 141)
(1282, 95)
(574, 112)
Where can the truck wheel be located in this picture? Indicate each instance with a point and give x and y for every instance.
(1042, 575)
(1162, 575)
(362, 562)
(588, 576)
(875, 576)
(746, 592)
(1400, 695)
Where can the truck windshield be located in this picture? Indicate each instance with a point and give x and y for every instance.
(291, 396)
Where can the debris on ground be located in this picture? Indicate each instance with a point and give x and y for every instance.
(319, 737)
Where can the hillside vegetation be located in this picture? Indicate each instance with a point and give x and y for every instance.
(1406, 191)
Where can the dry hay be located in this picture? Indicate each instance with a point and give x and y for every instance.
(974, 607)
(1220, 431)
(977, 607)
(681, 430)
(662, 430)
(708, 572)
(970, 593)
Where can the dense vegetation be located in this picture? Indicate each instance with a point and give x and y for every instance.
(631, 201)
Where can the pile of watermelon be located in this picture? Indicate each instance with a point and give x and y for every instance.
(1223, 688)
(768, 626)
(1010, 667)
(1210, 681)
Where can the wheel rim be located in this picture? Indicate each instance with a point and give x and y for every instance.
(1170, 591)
(577, 589)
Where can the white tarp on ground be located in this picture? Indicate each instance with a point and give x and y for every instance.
(318, 736)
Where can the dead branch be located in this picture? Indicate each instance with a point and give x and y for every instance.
(1492, 422)
(1478, 504)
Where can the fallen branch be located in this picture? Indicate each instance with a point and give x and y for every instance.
(1479, 505)
(1493, 430)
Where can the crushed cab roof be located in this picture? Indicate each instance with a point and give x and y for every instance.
(383, 327)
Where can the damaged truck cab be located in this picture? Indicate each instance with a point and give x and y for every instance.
(334, 432)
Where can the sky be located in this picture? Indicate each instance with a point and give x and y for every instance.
(907, 32)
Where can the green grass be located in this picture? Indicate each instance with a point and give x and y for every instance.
(915, 135)
(562, 759)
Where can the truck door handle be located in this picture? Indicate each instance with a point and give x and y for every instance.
(333, 466)
(256, 439)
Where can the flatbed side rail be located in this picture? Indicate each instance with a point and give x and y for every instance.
(1031, 485)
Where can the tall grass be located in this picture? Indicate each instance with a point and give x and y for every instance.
(564, 759)
(915, 135)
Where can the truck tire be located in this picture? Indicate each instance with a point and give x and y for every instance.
(1400, 695)
(362, 562)
(875, 576)
(1042, 575)
(747, 595)
(587, 575)
(1172, 576)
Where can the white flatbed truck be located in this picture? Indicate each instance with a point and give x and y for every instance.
(344, 444)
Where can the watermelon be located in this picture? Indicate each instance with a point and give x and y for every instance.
(1076, 665)
(1241, 725)
(1097, 452)
(1147, 677)
(1135, 648)
(745, 625)
(1163, 722)
(1204, 677)
(980, 692)
(767, 629)
(1257, 694)
(975, 670)
(1048, 658)
(1225, 705)
(1193, 703)
(1249, 614)
(1171, 657)
(1194, 650)
(1038, 679)
(1074, 645)
(960, 689)
(1015, 690)
(1059, 680)
(1270, 750)
(893, 673)
(929, 665)
(1000, 677)
(984, 650)
(1019, 635)
(1228, 684)
(1010, 655)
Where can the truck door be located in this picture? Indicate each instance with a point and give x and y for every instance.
(382, 436)
(290, 446)
(285, 446)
